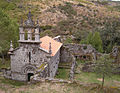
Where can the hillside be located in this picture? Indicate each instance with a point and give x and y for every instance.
(69, 17)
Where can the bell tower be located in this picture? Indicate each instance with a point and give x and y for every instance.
(30, 29)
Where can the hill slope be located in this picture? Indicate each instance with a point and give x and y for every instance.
(69, 17)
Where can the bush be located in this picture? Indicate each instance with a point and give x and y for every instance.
(68, 9)
(68, 40)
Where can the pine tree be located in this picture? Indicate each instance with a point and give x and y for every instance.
(97, 42)
(8, 32)
(104, 67)
(94, 40)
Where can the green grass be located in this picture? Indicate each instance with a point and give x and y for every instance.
(4, 65)
(11, 82)
(92, 78)
(63, 73)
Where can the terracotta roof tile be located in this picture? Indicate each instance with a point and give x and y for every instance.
(55, 46)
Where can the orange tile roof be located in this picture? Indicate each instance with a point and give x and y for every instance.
(55, 46)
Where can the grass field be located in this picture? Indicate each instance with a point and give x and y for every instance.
(86, 83)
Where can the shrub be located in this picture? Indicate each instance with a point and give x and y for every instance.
(68, 9)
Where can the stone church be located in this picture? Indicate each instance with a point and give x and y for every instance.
(34, 54)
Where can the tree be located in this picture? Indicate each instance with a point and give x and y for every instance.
(110, 34)
(90, 38)
(104, 67)
(8, 32)
(97, 42)
(94, 40)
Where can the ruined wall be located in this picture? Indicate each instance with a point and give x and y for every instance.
(118, 57)
(82, 51)
(25, 60)
(53, 65)
(116, 54)
(65, 55)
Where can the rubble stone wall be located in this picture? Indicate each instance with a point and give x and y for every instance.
(82, 51)
(22, 58)
(65, 55)
(53, 65)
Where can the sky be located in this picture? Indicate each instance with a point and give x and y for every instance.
(115, 0)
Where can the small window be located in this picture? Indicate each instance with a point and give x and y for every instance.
(29, 56)
(26, 36)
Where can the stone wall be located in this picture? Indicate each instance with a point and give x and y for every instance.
(53, 65)
(72, 70)
(65, 55)
(116, 54)
(26, 59)
(82, 51)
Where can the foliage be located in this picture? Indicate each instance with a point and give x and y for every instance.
(47, 32)
(8, 5)
(68, 9)
(8, 31)
(46, 27)
(97, 42)
(5, 65)
(79, 35)
(68, 40)
(103, 2)
(63, 73)
(104, 67)
(11, 82)
(94, 40)
(110, 35)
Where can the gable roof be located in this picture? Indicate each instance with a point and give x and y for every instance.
(55, 46)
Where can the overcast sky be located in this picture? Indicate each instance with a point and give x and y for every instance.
(115, 0)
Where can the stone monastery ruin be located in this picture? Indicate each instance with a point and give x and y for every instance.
(34, 54)
(41, 56)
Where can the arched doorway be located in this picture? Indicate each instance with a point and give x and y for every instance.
(29, 71)
(29, 76)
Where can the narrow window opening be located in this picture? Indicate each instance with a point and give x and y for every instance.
(29, 56)
(26, 36)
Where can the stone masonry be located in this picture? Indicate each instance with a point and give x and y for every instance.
(33, 55)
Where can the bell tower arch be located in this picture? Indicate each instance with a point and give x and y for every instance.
(32, 29)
